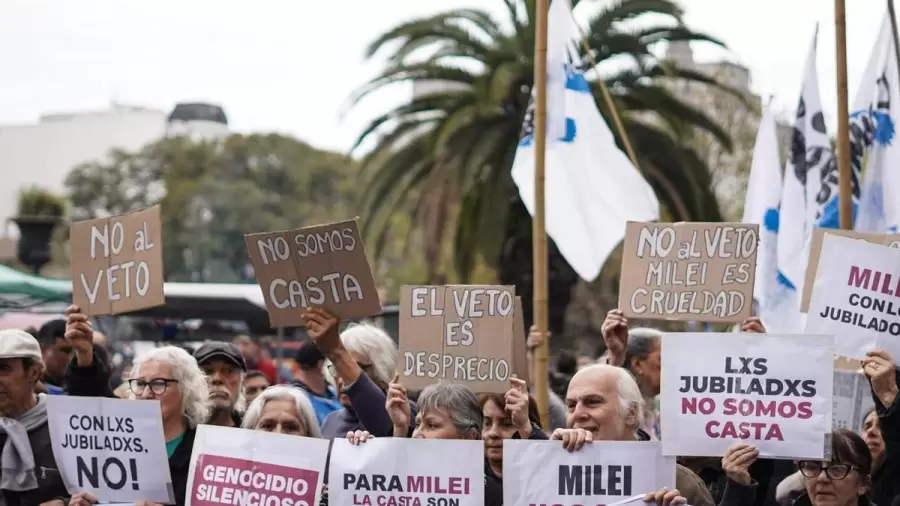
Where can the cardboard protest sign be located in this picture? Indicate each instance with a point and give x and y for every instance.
(407, 472)
(852, 397)
(323, 266)
(117, 263)
(688, 271)
(771, 391)
(111, 448)
(856, 296)
(459, 333)
(237, 467)
(815, 251)
(603, 472)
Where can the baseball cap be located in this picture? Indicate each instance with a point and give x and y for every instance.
(309, 354)
(15, 343)
(211, 350)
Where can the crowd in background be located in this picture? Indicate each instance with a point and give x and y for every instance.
(345, 386)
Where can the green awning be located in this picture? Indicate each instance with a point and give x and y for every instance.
(16, 282)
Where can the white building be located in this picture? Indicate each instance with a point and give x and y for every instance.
(43, 153)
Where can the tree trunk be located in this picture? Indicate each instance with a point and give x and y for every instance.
(516, 267)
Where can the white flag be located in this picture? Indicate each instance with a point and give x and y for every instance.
(872, 134)
(804, 179)
(591, 188)
(776, 300)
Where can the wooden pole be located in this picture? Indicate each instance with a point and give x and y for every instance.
(845, 185)
(892, 12)
(539, 232)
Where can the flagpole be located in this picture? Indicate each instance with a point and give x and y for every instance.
(892, 13)
(845, 183)
(539, 231)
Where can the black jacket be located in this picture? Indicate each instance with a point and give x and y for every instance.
(50, 483)
(179, 464)
(885, 482)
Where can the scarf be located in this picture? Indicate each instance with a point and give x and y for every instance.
(17, 457)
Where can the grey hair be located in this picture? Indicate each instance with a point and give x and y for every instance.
(374, 344)
(195, 405)
(287, 393)
(641, 343)
(630, 399)
(458, 401)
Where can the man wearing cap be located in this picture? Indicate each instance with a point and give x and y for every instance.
(29, 475)
(224, 367)
(311, 378)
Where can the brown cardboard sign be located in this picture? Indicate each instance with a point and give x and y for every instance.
(458, 333)
(321, 266)
(689, 271)
(117, 263)
(815, 250)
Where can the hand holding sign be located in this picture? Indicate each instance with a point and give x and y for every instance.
(80, 334)
(517, 405)
(572, 439)
(397, 406)
(881, 371)
(737, 461)
(615, 335)
(83, 499)
(666, 497)
(322, 328)
(753, 325)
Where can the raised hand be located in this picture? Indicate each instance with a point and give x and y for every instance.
(615, 335)
(879, 367)
(737, 461)
(397, 407)
(517, 406)
(324, 329)
(80, 334)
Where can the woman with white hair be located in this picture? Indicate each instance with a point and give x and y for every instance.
(167, 374)
(283, 410)
(362, 359)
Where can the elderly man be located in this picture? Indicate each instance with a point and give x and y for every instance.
(24, 434)
(224, 367)
(603, 403)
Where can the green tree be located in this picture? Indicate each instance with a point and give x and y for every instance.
(214, 192)
(448, 153)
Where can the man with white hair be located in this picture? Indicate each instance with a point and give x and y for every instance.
(225, 368)
(603, 403)
(24, 433)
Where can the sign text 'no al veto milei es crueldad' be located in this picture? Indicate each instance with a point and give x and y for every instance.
(688, 271)
(320, 266)
(117, 263)
(469, 334)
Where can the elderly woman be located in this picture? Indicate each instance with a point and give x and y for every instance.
(283, 410)
(842, 481)
(362, 359)
(167, 374)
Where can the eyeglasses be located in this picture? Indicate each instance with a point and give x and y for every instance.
(812, 469)
(158, 386)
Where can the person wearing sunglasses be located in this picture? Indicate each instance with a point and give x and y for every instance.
(844, 480)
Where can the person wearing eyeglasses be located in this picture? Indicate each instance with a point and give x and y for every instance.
(844, 480)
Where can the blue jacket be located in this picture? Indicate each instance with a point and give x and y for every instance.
(322, 404)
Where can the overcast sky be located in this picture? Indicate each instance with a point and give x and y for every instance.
(289, 65)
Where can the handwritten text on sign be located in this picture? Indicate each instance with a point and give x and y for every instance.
(117, 263)
(774, 391)
(457, 333)
(322, 266)
(688, 271)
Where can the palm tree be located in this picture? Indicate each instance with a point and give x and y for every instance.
(448, 154)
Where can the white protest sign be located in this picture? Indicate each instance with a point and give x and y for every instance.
(542, 472)
(239, 467)
(407, 472)
(852, 397)
(111, 448)
(856, 296)
(772, 391)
